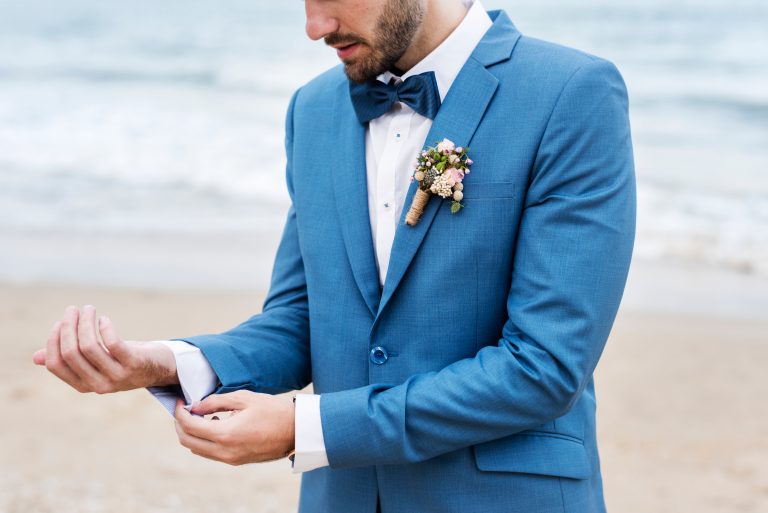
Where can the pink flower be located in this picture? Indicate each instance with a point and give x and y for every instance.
(446, 146)
(457, 175)
(470, 162)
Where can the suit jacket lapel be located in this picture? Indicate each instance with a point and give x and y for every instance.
(350, 188)
(457, 120)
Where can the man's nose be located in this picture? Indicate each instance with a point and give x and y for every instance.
(320, 19)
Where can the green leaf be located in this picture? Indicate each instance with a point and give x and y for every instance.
(456, 206)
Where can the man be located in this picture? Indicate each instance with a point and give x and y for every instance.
(452, 359)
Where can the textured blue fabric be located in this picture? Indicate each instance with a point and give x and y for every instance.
(492, 319)
(374, 98)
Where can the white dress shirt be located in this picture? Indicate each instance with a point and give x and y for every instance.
(392, 144)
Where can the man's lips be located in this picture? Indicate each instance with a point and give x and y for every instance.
(346, 51)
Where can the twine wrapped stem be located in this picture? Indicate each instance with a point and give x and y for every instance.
(418, 204)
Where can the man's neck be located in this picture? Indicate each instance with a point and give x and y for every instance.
(441, 17)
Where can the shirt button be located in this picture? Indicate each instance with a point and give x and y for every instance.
(386, 205)
(379, 355)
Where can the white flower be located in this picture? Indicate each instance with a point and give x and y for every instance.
(445, 146)
(440, 187)
(419, 175)
(458, 195)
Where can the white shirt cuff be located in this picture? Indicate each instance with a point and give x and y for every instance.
(310, 445)
(196, 375)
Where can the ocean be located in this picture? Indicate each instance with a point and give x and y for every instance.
(157, 118)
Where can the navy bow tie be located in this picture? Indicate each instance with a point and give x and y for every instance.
(374, 98)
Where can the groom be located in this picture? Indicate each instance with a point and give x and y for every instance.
(452, 359)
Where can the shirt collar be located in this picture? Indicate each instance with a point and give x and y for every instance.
(449, 57)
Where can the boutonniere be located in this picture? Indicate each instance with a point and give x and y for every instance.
(439, 170)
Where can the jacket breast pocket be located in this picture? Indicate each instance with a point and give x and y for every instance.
(534, 452)
(482, 190)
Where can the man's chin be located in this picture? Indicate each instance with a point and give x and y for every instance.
(360, 74)
(353, 76)
(362, 68)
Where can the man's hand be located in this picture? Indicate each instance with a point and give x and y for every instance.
(85, 352)
(261, 427)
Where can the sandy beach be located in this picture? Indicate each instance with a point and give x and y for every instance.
(681, 417)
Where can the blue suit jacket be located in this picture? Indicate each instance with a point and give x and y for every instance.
(492, 320)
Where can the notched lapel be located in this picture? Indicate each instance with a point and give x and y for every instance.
(457, 120)
(351, 190)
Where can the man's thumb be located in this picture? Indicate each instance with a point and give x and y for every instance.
(39, 357)
(219, 402)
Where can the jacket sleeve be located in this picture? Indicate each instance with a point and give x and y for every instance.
(572, 257)
(269, 352)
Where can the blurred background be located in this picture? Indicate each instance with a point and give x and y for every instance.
(142, 170)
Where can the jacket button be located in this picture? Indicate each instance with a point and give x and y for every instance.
(379, 355)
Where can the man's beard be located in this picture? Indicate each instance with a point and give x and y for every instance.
(395, 30)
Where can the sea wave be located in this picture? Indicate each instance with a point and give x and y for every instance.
(170, 116)
(726, 230)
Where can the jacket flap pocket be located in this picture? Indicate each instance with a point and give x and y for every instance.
(535, 453)
(474, 190)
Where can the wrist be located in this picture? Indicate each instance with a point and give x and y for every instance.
(162, 365)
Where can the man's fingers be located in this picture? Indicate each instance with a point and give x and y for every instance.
(116, 346)
(70, 350)
(220, 402)
(56, 364)
(188, 428)
(199, 446)
(196, 426)
(90, 346)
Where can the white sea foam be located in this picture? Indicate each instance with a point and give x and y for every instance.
(726, 230)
